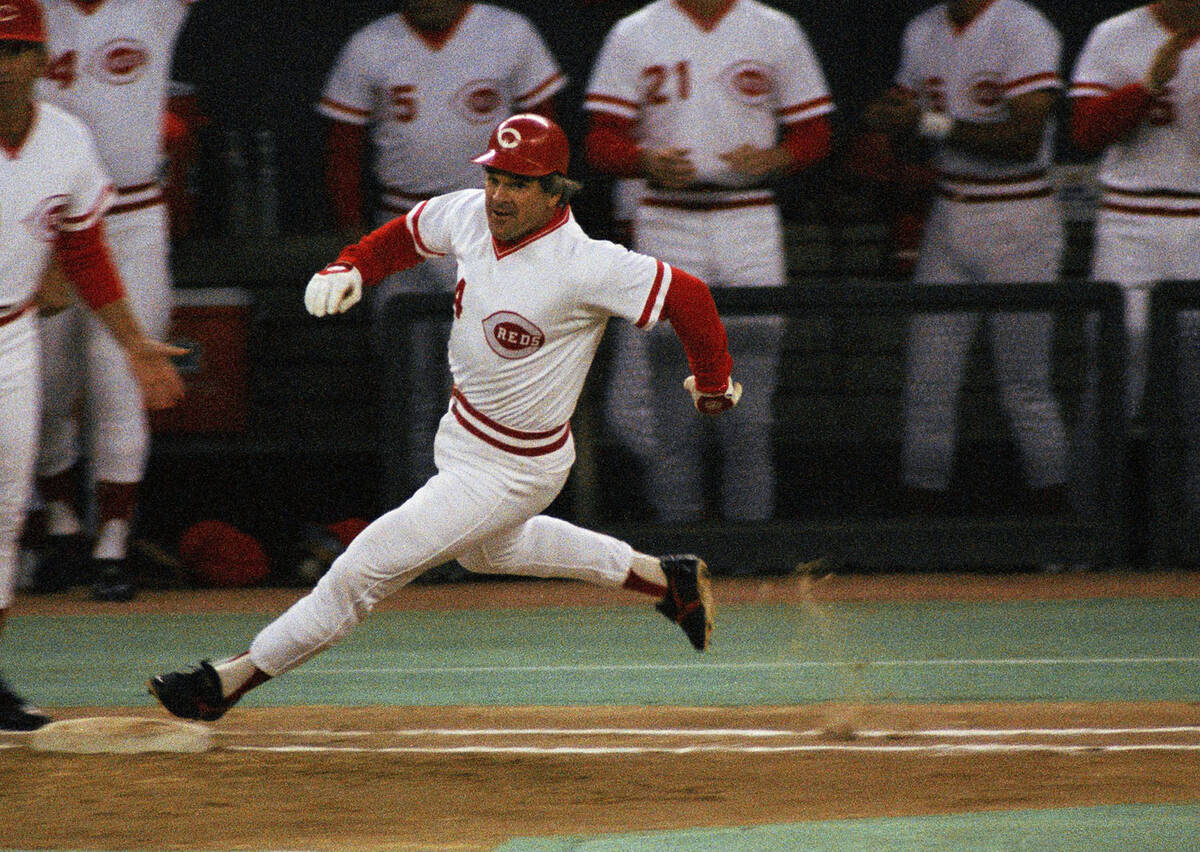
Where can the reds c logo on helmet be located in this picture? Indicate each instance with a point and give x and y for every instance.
(528, 145)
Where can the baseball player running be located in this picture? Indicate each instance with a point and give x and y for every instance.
(977, 81)
(533, 297)
(110, 63)
(53, 193)
(709, 101)
(427, 84)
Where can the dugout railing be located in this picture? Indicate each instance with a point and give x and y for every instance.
(323, 431)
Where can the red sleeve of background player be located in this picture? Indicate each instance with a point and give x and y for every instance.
(344, 143)
(84, 259)
(1097, 122)
(610, 147)
(693, 314)
(545, 109)
(385, 250)
(808, 141)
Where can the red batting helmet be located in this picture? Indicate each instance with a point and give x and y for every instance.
(527, 144)
(21, 20)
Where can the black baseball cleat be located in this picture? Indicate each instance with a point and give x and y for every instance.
(112, 581)
(194, 694)
(688, 601)
(16, 714)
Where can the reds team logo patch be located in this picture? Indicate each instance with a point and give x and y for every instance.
(120, 61)
(986, 90)
(479, 101)
(46, 217)
(511, 336)
(750, 82)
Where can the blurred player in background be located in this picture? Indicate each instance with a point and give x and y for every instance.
(977, 82)
(109, 64)
(424, 86)
(534, 295)
(709, 101)
(1136, 102)
(53, 194)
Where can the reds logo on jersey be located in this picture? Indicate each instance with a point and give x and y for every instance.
(46, 217)
(511, 336)
(120, 61)
(986, 90)
(479, 101)
(749, 82)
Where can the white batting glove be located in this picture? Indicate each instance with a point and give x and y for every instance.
(334, 290)
(714, 403)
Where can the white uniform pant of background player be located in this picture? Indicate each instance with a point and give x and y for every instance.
(414, 374)
(739, 247)
(80, 359)
(1135, 251)
(1017, 241)
(481, 508)
(20, 401)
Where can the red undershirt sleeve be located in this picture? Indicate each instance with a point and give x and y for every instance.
(385, 250)
(1097, 122)
(344, 144)
(693, 314)
(609, 145)
(808, 141)
(85, 260)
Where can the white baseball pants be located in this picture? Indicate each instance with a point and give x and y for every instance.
(481, 508)
(20, 401)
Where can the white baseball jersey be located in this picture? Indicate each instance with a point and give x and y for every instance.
(709, 86)
(1009, 49)
(528, 317)
(432, 106)
(1155, 166)
(110, 64)
(53, 182)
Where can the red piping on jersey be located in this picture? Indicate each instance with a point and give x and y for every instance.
(436, 39)
(509, 448)
(101, 204)
(414, 228)
(349, 110)
(500, 427)
(1149, 211)
(824, 100)
(652, 299)
(595, 98)
(549, 81)
(1034, 78)
(708, 206)
(504, 249)
(129, 207)
(1097, 122)
(17, 312)
(968, 198)
(708, 23)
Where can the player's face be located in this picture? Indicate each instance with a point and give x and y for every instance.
(20, 66)
(516, 206)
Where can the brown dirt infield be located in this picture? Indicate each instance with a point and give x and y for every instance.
(408, 784)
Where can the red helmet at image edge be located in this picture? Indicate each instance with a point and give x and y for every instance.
(528, 145)
(21, 20)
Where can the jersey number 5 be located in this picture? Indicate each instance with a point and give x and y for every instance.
(405, 102)
(62, 69)
(657, 78)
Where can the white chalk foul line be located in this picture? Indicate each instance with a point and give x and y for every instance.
(701, 733)
(750, 666)
(938, 748)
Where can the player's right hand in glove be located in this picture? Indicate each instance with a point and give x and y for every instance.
(334, 290)
(717, 401)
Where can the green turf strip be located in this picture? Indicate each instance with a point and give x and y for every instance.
(762, 654)
(1124, 828)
